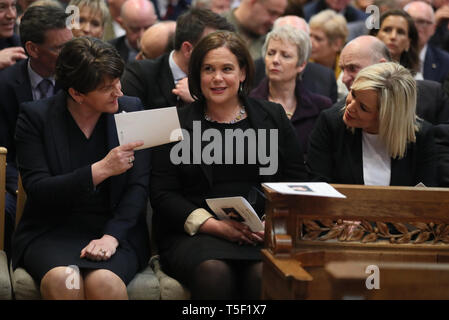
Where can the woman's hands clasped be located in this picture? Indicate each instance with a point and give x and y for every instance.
(232, 230)
(100, 249)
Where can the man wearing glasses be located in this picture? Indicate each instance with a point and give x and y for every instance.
(434, 61)
(43, 32)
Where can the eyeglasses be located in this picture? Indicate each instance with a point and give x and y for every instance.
(422, 23)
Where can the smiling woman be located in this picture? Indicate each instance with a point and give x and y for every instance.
(228, 264)
(87, 196)
(376, 139)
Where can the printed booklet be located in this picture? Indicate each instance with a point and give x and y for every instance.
(316, 189)
(238, 209)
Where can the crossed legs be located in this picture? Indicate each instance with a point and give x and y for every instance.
(58, 284)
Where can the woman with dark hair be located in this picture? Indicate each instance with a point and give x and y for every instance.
(398, 32)
(86, 195)
(220, 259)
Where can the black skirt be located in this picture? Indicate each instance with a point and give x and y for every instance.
(62, 245)
(186, 252)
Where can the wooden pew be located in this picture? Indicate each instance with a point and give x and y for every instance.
(329, 248)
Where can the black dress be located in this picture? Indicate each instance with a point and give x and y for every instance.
(180, 187)
(62, 244)
(188, 252)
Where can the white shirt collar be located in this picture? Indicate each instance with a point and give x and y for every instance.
(178, 74)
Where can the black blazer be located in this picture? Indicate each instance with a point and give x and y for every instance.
(151, 81)
(442, 143)
(335, 154)
(436, 64)
(15, 88)
(432, 102)
(122, 48)
(315, 78)
(177, 190)
(43, 160)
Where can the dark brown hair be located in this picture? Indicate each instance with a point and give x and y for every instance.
(85, 62)
(410, 58)
(213, 41)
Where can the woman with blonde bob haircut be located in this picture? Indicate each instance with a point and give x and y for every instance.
(376, 139)
(328, 33)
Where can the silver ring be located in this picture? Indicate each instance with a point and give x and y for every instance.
(131, 159)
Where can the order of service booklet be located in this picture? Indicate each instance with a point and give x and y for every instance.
(154, 127)
(238, 209)
(316, 189)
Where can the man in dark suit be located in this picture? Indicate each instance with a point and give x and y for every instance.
(136, 17)
(432, 102)
(441, 133)
(43, 32)
(316, 78)
(434, 61)
(10, 49)
(350, 13)
(163, 82)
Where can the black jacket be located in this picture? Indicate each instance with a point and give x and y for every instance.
(51, 187)
(178, 190)
(335, 154)
(151, 81)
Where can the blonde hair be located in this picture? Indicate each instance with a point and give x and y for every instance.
(96, 6)
(333, 25)
(396, 90)
(293, 35)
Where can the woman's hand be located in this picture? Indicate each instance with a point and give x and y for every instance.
(100, 249)
(117, 161)
(231, 230)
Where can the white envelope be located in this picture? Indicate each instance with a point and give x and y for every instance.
(154, 127)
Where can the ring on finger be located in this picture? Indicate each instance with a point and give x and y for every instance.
(131, 159)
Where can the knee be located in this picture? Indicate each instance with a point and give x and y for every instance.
(104, 284)
(213, 268)
(62, 283)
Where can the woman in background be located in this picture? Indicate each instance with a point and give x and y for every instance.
(399, 33)
(328, 32)
(93, 15)
(286, 51)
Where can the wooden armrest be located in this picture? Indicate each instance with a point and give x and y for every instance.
(288, 267)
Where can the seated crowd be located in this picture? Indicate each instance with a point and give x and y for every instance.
(333, 102)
